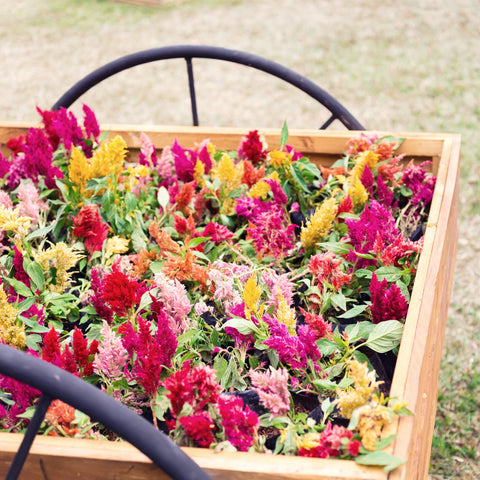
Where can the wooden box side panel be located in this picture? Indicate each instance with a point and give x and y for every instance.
(416, 376)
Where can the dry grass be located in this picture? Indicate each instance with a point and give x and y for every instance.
(411, 66)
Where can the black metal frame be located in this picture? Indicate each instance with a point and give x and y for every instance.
(188, 52)
(55, 383)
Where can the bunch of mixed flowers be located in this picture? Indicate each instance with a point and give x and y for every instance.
(238, 298)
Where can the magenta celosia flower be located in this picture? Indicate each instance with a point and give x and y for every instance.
(195, 385)
(240, 423)
(149, 356)
(272, 388)
(61, 126)
(20, 273)
(272, 232)
(111, 356)
(199, 427)
(279, 197)
(367, 179)
(251, 148)
(384, 194)
(363, 232)
(250, 208)
(90, 123)
(388, 302)
(185, 161)
(293, 350)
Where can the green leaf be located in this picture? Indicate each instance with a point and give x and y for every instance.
(338, 248)
(163, 197)
(156, 267)
(391, 273)
(325, 384)
(131, 201)
(380, 458)
(19, 287)
(41, 232)
(243, 326)
(297, 175)
(339, 300)
(220, 366)
(326, 347)
(35, 272)
(195, 242)
(25, 304)
(33, 341)
(283, 135)
(385, 336)
(138, 241)
(354, 311)
(358, 330)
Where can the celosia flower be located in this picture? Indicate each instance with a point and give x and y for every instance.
(165, 166)
(83, 353)
(111, 356)
(251, 175)
(147, 155)
(88, 225)
(388, 302)
(279, 159)
(61, 415)
(240, 423)
(371, 421)
(11, 332)
(223, 286)
(326, 267)
(20, 273)
(400, 247)
(251, 295)
(286, 315)
(120, 292)
(365, 385)
(252, 148)
(184, 197)
(332, 442)
(277, 285)
(318, 325)
(62, 258)
(272, 388)
(319, 224)
(30, 203)
(173, 296)
(199, 427)
(218, 233)
(12, 221)
(116, 245)
(186, 268)
(196, 385)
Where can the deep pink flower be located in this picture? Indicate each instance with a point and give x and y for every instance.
(197, 386)
(199, 427)
(388, 302)
(240, 423)
(218, 233)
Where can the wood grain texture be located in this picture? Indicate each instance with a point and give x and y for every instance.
(416, 374)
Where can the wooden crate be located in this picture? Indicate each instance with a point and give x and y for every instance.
(416, 374)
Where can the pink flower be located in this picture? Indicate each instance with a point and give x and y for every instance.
(111, 356)
(272, 388)
(30, 203)
(240, 423)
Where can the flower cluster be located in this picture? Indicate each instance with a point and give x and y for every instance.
(210, 289)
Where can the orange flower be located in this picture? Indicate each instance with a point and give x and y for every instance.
(163, 239)
(60, 416)
(185, 269)
(142, 261)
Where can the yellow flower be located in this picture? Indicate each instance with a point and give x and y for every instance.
(371, 421)
(198, 173)
(10, 332)
(251, 295)
(278, 159)
(356, 190)
(116, 245)
(107, 159)
(364, 386)
(11, 221)
(62, 258)
(230, 177)
(354, 186)
(259, 190)
(286, 315)
(308, 441)
(319, 224)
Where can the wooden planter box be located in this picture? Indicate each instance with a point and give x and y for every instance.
(416, 374)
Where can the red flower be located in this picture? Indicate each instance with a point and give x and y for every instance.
(218, 233)
(120, 292)
(252, 148)
(89, 226)
(388, 303)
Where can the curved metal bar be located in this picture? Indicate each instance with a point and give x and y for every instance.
(57, 383)
(216, 53)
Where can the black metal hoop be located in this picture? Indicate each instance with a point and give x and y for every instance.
(188, 52)
(56, 383)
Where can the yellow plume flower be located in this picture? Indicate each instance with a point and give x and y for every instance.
(62, 258)
(259, 190)
(308, 441)
(11, 221)
(279, 159)
(230, 177)
(319, 223)
(10, 332)
(356, 190)
(286, 315)
(116, 245)
(364, 386)
(107, 159)
(251, 295)
(371, 421)
(198, 173)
